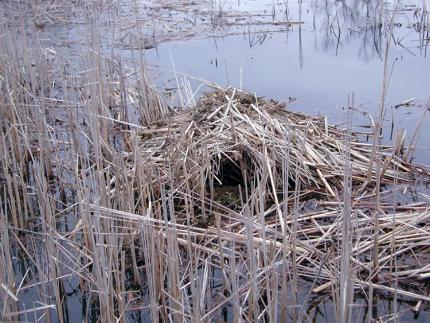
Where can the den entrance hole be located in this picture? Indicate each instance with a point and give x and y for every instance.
(229, 174)
(231, 182)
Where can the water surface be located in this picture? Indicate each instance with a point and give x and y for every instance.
(337, 49)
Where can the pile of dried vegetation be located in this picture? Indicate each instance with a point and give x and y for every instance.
(305, 199)
(233, 131)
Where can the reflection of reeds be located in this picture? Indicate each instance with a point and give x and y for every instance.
(368, 21)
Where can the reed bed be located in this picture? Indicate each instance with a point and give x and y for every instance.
(253, 185)
(235, 209)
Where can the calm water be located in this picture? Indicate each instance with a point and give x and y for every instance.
(337, 50)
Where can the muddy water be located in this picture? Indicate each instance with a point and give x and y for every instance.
(330, 50)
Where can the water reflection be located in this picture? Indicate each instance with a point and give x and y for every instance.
(327, 50)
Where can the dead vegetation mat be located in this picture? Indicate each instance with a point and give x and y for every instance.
(242, 170)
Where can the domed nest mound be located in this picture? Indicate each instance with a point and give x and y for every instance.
(233, 138)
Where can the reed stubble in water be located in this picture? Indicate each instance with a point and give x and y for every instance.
(236, 206)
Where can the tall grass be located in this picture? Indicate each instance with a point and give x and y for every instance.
(89, 212)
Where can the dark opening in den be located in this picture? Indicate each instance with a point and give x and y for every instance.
(229, 174)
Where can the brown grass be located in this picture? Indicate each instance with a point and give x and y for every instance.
(236, 207)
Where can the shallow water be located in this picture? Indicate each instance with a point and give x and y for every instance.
(337, 50)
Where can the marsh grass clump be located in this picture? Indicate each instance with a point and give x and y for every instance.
(253, 185)
(230, 136)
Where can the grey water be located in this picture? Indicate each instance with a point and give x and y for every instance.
(337, 50)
